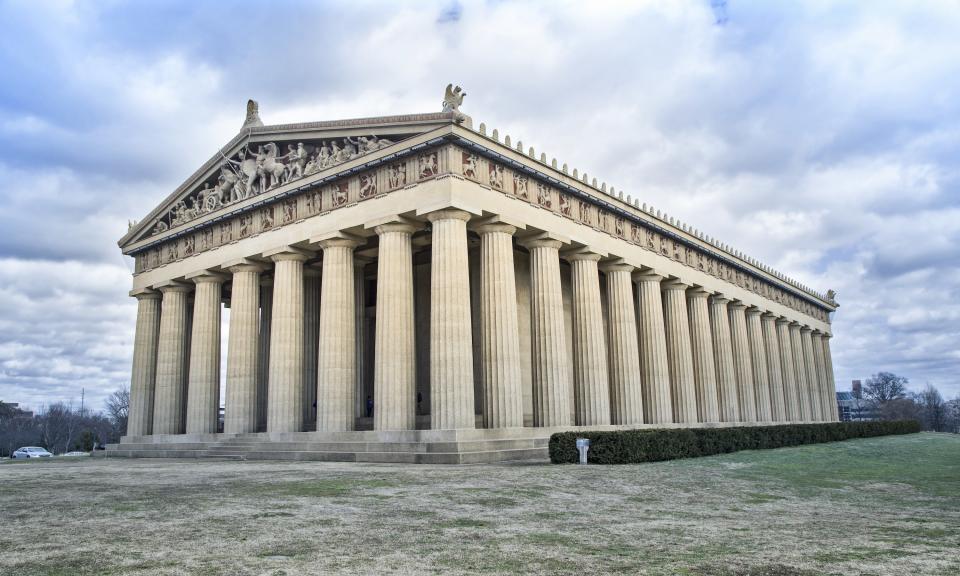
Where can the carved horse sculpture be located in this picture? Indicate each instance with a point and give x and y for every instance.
(272, 167)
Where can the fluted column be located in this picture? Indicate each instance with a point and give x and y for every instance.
(704, 362)
(551, 379)
(758, 357)
(742, 367)
(657, 406)
(626, 392)
(263, 354)
(831, 383)
(591, 373)
(774, 369)
(394, 374)
(826, 414)
(171, 361)
(451, 331)
(800, 373)
(143, 377)
(359, 291)
(499, 328)
(813, 380)
(240, 406)
(285, 384)
(791, 397)
(336, 373)
(311, 344)
(203, 388)
(723, 355)
(683, 390)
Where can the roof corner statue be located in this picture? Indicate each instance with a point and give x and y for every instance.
(337, 228)
(253, 114)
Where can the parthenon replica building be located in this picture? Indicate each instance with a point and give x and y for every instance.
(419, 288)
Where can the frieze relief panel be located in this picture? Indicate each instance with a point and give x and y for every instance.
(252, 172)
(522, 187)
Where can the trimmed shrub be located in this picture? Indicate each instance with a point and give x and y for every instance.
(654, 445)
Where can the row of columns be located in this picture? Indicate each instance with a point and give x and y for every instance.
(673, 353)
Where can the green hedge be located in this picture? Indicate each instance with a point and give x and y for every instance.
(652, 445)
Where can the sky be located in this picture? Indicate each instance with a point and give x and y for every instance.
(822, 138)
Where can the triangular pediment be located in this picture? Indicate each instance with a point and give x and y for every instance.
(261, 160)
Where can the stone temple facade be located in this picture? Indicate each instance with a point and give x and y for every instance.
(415, 288)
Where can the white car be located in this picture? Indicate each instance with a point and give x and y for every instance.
(73, 454)
(31, 452)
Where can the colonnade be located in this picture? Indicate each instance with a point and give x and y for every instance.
(662, 351)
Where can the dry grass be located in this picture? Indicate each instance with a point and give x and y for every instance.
(879, 506)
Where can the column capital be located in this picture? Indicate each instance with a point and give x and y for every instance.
(649, 275)
(754, 310)
(206, 276)
(698, 292)
(393, 223)
(782, 320)
(674, 284)
(497, 219)
(283, 253)
(337, 240)
(145, 294)
(449, 214)
(719, 299)
(768, 314)
(243, 265)
(543, 240)
(173, 286)
(806, 328)
(581, 254)
(311, 271)
(494, 227)
(737, 305)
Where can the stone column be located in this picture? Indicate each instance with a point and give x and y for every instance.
(704, 362)
(263, 359)
(451, 331)
(203, 389)
(800, 373)
(551, 384)
(791, 397)
(657, 406)
(336, 375)
(774, 367)
(499, 329)
(813, 380)
(143, 377)
(758, 357)
(311, 344)
(240, 406)
(826, 414)
(626, 393)
(171, 359)
(285, 384)
(591, 374)
(359, 291)
(723, 354)
(679, 352)
(831, 383)
(742, 363)
(394, 373)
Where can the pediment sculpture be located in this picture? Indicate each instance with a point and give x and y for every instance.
(253, 172)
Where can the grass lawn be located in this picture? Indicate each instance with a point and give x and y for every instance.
(875, 506)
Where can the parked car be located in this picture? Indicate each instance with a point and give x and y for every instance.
(31, 452)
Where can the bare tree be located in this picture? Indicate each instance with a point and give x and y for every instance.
(933, 409)
(118, 408)
(884, 387)
(58, 425)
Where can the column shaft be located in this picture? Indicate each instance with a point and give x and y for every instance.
(800, 371)
(263, 354)
(203, 391)
(723, 355)
(790, 395)
(831, 383)
(813, 379)
(394, 376)
(499, 329)
(451, 331)
(657, 405)
(625, 381)
(758, 357)
(285, 384)
(171, 359)
(143, 377)
(551, 377)
(337, 379)
(311, 345)
(742, 367)
(774, 368)
(679, 352)
(704, 362)
(240, 406)
(591, 374)
(826, 414)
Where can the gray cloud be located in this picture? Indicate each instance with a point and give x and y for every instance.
(822, 139)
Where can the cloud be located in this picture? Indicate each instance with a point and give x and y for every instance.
(821, 138)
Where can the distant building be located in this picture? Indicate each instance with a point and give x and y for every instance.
(851, 407)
